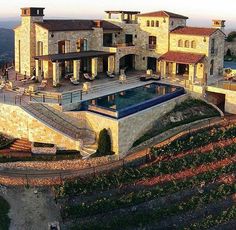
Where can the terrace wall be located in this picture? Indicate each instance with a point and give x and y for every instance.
(19, 124)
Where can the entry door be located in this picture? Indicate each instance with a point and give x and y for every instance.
(152, 63)
(129, 39)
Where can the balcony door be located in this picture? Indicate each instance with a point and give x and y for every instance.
(129, 39)
(152, 42)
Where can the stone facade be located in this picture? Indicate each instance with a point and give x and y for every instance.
(19, 124)
(32, 39)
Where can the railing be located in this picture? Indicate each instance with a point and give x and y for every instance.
(72, 97)
(119, 45)
(43, 98)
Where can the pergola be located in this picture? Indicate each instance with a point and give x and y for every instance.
(76, 57)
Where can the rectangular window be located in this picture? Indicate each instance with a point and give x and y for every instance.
(152, 42)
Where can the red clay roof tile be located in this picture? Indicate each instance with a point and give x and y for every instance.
(182, 57)
(162, 14)
(199, 31)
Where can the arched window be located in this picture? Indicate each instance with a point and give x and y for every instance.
(193, 44)
(180, 43)
(152, 23)
(157, 23)
(186, 44)
(148, 23)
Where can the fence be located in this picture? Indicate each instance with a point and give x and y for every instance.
(141, 155)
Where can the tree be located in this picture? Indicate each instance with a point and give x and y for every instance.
(104, 143)
(231, 36)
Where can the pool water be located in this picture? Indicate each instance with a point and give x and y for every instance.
(133, 100)
(130, 97)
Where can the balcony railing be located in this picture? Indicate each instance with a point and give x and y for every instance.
(151, 46)
(120, 45)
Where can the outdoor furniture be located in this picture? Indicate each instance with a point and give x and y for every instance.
(32, 88)
(68, 76)
(43, 85)
(153, 77)
(74, 81)
(89, 77)
(122, 79)
(111, 75)
(87, 87)
(149, 72)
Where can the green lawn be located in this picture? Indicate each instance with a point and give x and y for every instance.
(4, 219)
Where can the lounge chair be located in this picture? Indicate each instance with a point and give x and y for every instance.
(74, 82)
(43, 85)
(89, 77)
(68, 76)
(110, 75)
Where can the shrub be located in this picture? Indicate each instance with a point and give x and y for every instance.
(104, 143)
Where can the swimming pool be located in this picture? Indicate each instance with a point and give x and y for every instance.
(127, 102)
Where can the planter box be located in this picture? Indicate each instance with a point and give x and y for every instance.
(44, 150)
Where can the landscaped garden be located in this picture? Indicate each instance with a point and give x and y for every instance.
(188, 178)
(4, 219)
(188, 111)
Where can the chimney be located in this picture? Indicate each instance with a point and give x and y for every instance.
(98, 24)
(218, 24)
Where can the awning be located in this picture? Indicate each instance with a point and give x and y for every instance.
(182, 57)
(73, 56)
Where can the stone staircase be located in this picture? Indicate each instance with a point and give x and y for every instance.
(21, 145)
(74, 128)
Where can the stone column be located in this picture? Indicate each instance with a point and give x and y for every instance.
(56, 76)
(174, 66)
(163, 69)
(111, 64)
(76, 69)
(192, 73)
(95, 66)
(38, 70)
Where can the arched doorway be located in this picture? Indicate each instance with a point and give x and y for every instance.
(128, 62)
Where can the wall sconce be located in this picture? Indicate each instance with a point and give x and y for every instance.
(204, 39)
(52, 35)
(164, 20)
(135, 35)
(144, 58)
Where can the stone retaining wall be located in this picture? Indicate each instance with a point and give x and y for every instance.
(19, 124)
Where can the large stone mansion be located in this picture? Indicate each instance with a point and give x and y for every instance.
(160, 41)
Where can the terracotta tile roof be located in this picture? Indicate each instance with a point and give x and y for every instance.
(74, 25)
(162, 14)
(199, 31)
(73, 55)
(181, 57)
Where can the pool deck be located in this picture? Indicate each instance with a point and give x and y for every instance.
(101, 86)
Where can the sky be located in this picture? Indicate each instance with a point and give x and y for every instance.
(200, 12)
